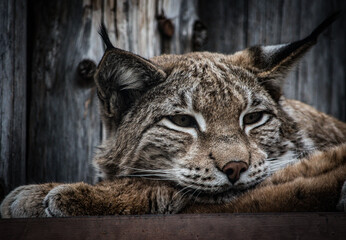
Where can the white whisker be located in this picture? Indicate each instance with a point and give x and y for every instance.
(181, 191)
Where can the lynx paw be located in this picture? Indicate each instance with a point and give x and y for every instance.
(342, 201)
(25, 201)
(55, 204)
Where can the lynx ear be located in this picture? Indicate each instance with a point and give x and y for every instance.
(272, 63)
(121, 78)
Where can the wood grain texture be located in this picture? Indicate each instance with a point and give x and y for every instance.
(64, 125)
(13, 97)
(207, 226)
(133, 25)
(320, 78)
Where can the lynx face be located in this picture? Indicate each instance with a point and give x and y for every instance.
(211, 124)
(197, 122)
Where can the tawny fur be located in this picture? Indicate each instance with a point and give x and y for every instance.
(314, 184)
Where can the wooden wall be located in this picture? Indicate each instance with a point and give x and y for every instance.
(13, 94)
(49, 116)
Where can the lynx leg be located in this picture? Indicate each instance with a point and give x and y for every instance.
(26, 201)
(119, 197)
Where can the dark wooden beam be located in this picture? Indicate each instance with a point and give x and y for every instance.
(199, 226)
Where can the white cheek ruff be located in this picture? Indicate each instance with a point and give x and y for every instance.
(248, 128)
(200, 121)
(199, 117)
(283, 161)
(264, 119)
(245, 112)
(192, 131)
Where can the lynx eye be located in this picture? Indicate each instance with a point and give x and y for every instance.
(252, 118)
(183, 120)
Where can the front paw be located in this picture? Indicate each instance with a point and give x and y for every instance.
(56, 202)
(69, 200)
(25, 201)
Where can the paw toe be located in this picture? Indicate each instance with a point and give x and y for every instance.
(52, 202)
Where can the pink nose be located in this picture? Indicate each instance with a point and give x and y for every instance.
(233, 169)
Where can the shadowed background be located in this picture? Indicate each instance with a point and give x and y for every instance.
(49, 117)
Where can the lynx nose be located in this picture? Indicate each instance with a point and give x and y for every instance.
(233, 169)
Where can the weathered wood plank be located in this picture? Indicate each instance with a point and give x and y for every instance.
(133, 25)
(13, 77)
(337, 64)
(290, 31)
(64, 125)
(183, 15)
(208, 226)
(226, 22)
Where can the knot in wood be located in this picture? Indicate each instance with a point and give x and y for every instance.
(166, 26)
(86, 70)
(200, 35)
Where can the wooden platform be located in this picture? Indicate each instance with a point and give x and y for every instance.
(201, 226)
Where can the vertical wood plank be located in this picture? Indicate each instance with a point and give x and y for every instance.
(290, 31)
(183, 14)
(12, 94)
(226, 22)
(133, 25)
(337, 63)
(64, 125)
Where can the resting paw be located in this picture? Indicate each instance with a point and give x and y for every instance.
(25, 202)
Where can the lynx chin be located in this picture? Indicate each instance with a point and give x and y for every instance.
(202, 132)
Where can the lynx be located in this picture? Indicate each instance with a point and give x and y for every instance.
(202, 132)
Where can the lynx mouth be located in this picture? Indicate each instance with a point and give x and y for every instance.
(222, 184)
(215, 190)
(205, 196)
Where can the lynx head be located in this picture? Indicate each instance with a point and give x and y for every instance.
(209, 123)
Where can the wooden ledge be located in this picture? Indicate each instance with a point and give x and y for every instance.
(183, 226)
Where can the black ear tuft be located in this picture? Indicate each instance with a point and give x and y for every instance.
(301, 46)
(272, 63)
(285, 55)
(104, 34)
(328, 21)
